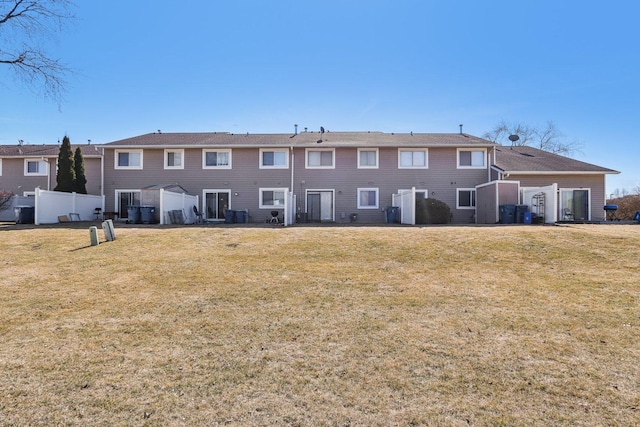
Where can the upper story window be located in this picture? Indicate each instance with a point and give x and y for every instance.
(367, 158)
(323, 158)
(471, 158)
(413, 158)
(216, 159)
(35, 167)
(274, 158)
(174, 159)
(128, 159)
(466, 198)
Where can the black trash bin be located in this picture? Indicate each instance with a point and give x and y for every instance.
(133, 214)
(507, 214)
(519, 213)
(392, 214)
(25, 214)
(241, 217)
(230, 216)
(147, 214)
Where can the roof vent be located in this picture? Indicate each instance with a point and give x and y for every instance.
(460, 128)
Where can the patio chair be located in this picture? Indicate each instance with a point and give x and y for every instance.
(198, 214)
(567, 215)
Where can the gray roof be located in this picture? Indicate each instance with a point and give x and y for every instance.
(303, 139)
(46, 150)
(529, 160)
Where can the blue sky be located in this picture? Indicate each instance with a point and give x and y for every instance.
(351, 65)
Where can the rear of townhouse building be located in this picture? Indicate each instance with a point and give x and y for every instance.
(338, 177)
(335, 177)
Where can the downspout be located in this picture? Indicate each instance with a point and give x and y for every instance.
(102, 172)
(293, 158)
(104, 202)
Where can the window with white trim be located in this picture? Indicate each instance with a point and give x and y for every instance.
(466, 198)
(216, 159)
(272, 198)
(368, 198)
(35, 167)
(174, 159)
(413, 159)
(323, 158)
(128, 159)
(420, 193)
(274, 158)
(471, 158)
(367, 158)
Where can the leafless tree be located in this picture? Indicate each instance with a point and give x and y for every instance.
(548, 138)
(5, 199)
(25, 26)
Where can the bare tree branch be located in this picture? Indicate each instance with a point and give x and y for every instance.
(548, 138)
(5, 199)
(24, 27)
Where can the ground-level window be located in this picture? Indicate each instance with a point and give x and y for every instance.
(174, 159)
(471, 158)
(124, 199)
(420, 194)
(368, 198)
(466, 198)
(128, 159)
(216, 159)
(272, 198)
(35, 167)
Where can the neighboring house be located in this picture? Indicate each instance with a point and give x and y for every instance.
(333, 175)
(580, 186)
(25, 167)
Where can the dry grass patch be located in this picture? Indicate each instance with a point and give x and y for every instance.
(321, 326)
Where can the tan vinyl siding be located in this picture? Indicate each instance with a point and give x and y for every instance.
(596, 183)
(244, 180)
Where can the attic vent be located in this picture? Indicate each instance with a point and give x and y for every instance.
(527, 154)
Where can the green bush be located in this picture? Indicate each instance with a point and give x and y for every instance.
(432, 211)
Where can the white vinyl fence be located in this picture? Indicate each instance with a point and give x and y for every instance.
(406, 200)
(170, 201)
(49, 205)
(289, 208)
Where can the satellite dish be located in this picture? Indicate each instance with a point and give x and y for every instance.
(513, 138)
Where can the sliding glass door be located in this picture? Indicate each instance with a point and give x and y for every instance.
(216, 203)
